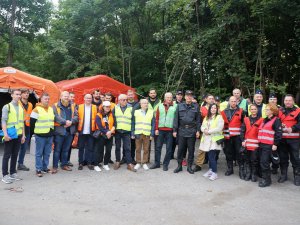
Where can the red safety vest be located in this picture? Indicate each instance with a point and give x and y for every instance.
(232, 127)
(81, 117)
(204, 111)
(289, 121)
(266, 132)
(251, 135)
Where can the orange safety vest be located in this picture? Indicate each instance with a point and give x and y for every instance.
(58, 112)
(110, 120)
(27, 113)
(204, 111)
(266, 132)
(81, 117)
(232, 127)
(289, 121)
(251, 134)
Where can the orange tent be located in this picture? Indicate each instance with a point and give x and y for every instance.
(11, 78)
(85, 85)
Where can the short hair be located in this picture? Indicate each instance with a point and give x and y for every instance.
(122, 96)
(152, 89)
(273, 108)
(71, 93)
(96, 90)
(144, 100)
(208, 95)
(130, 91)
(168, 93)
(253, 105)
(24, 90)
(14, 90)
(44, 94)
(289, 95)
(64, 92)
(237, 89)
(108, 94)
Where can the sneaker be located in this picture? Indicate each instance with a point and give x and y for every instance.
(97, 168)
(80, 167)
(184, 163)
(106, 167)
(90, 167)
(23, 167)
(137, 166)
(208, 173)
(213, 176)
(145, 166)
(46, 171)
(6, 179)
(70, 164)
(14, 176)
(39, 173)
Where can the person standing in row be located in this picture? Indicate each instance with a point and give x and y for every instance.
(12, 119)
(290, 143)
(143, 123)
(164, 130)
(86, 126)
(66, 120)
(96, 99)
(241, 102)
(187, 127)
(258, 101)
(42, 120)
(249, 137)
(27, 107)
(269, 136)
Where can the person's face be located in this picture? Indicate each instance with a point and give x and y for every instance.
(237, 93)
(144, 105)
(96, 95)
(123, 101)
(258, 98)
(232, 102)
(188, 98)
(106, 109)
(253, 110)
(289, 102)
(108, 98)
(45, 100)
(25, 95)
(179, 97)
(88, 99)
(269, 113)
(213, 109)
(168, 99)
(273, 100)
(210, 99)
(130, 96)
(71, 97)
(65, 97)
(102, 97)
(152, 94)
(16, 96)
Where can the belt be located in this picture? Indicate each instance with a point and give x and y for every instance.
(188, 126)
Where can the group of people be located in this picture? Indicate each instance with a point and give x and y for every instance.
(251, 134)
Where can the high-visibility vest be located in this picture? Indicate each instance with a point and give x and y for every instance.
(216, 136)
(81, 117)
(288, 121)
(251, 134)
(266, 132)
(204, 111)
(123, 119)
(58, 112)
(166, 119)
(232, 127)
(13, 120)
(223, 105)
(263, 111)
(27, 113)
(143, 123)
(110, 120)
(154, 109)
(243, 104)
(45, 121)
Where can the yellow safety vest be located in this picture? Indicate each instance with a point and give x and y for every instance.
(45, 121)
(214, 124)
(155, 107)
(223, 105)
(143, 123)
(123, 119)
(13, 121)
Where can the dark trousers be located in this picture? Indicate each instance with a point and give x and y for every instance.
(183, 144)
(162, 137)
(232, 149)
(24, 146)
(132, 146)
(265, 153)
(252, 158)
(288, 149)
(86, 150)
(212, 162)
(102, 143)
(69, 151)
(175, 142)
(62, 144)
(11, 150)
(155, 143)
(126, 139)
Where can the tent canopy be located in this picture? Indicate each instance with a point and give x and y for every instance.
(85, 85)
(11, 78)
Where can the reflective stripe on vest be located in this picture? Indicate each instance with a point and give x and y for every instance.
(289, 121)
(266, 132)
(123, 119)
(45, 121)
(81, 117)
(13, 121)
(166, 120)
(143, 123)
(251, 134)
(216, 136)
(232, 128)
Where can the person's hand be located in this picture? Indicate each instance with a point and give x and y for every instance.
(206, 132)
(23, 139)
(156, 132)
(289, 130)
(274, 147)
(108, 134)
(68, 123)
(174, 134)
(197, 134)
(151, 138)
(244, 144)
(7, 138)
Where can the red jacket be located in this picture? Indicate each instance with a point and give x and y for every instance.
(251, 134)
(288, 121)
(266, 132)
(232, 127)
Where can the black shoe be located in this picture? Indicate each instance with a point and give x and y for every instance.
(154, 166)
(165, 168)
(91, 167)
(197, 168)
(23, 167)
(283, 176)
(297, 180)
(46, 171)
(178, 169)
(229, 172)
(123, 161)
(70, 164)
(190, 170)
(111, 162)
(274, 171)
(80, 167)
(134, 162)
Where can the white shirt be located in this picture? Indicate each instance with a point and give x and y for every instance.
(87, 119)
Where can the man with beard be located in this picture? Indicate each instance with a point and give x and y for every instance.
(96, 98)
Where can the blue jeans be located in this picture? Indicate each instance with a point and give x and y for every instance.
(42, 152)
(168, 136)
(125, 137)
(212, 162)
(86, 148)
(62, 145)
(24, 146)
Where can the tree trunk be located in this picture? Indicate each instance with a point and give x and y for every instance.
(10, 53)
